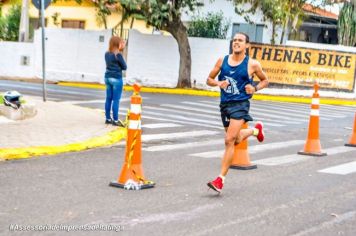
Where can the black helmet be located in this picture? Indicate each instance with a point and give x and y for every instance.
(12, 99)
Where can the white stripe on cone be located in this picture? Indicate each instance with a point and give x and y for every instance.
(315, 101)
(135, 108)
(134, 124)
(314, 112)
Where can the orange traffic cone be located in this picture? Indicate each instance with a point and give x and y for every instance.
(352, 142)
(131, 176)
(312, 146)
(241, 158)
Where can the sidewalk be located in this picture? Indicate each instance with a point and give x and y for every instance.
(57, 127)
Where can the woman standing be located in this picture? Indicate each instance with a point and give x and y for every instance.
(115, 64)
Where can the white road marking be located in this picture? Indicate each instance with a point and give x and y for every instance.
(253, 149)
(343, 169)
(293, 158)
(150, 137)
(160, 125)
(77, 102)
(280, 160)
(214, 111)
(219, 143)
(295, 121)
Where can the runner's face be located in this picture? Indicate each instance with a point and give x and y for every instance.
(239, 43)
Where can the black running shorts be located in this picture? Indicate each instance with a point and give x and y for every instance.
(236, 110)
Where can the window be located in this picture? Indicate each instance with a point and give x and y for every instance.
(35, 23)
(75, 24)
(255, 32)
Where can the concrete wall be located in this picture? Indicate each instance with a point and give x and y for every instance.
(154, 59)
(11, 54)
(72, 55)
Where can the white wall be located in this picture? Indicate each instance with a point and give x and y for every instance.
(10, 59)
(154, 59)
(72, 55)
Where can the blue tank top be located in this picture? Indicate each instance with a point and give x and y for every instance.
(238, 78)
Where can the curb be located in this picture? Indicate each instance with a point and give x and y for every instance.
(195, 92)
(28, 152)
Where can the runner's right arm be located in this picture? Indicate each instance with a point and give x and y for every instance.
(213, 73)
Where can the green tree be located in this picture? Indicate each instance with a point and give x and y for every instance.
(293, 15)
(213, 25)
(10, 24)
(272, 10)
(103, 8)
(166, 15)
(284, 13)
(346, 26)
(126, 14)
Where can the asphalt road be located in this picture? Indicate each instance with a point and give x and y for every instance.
(288, 194)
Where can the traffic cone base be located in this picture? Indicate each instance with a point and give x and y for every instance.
(352, 141)
(350, 145)
(241, 159)
(130, 173)
(142, 186)
(316, 154)
(312, 146)
(242, 167)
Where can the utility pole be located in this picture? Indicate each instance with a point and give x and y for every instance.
(41, 5)
(24, 23)
(43, 50)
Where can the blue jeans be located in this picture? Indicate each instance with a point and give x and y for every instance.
(113, 95)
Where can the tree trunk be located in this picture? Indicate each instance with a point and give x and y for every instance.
(105, 23)
(132, 22)
(273, 41)
(122, 22)
(284, 30)
(179, 32)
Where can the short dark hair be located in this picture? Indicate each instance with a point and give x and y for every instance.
(246, 36)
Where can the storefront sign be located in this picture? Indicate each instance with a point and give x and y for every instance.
(304, 67)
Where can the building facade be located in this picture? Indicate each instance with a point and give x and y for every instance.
(70, 14)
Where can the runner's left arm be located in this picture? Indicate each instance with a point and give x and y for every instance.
(257, 69)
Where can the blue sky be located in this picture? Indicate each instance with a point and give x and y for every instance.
(334, 8)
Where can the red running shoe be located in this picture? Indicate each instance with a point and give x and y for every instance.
(261, 135)
(216, 185)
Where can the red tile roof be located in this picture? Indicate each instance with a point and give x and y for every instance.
(320, 12)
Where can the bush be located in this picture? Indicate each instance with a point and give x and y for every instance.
(213, 25)
(10, 25)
